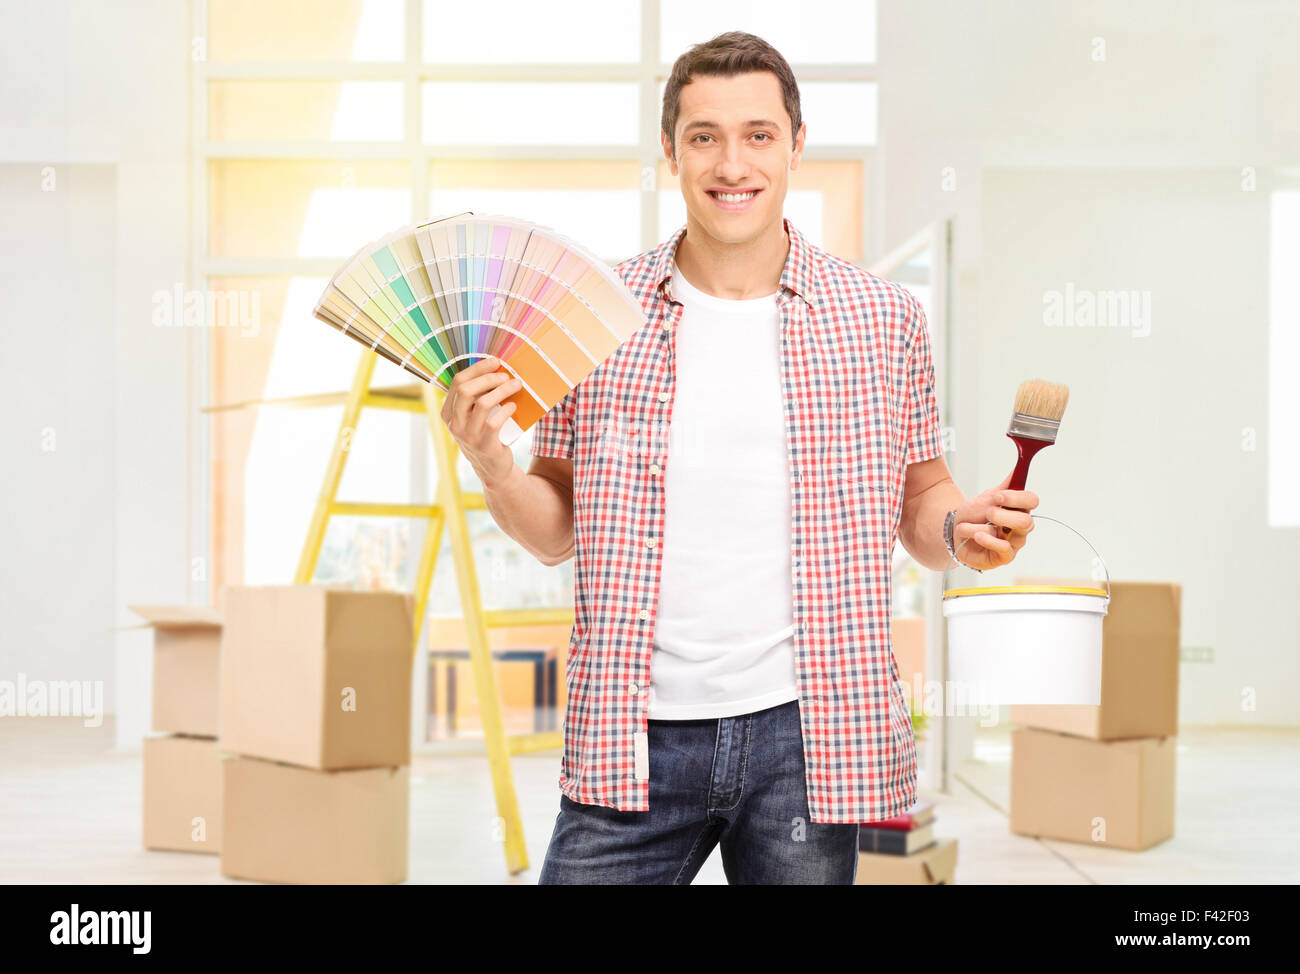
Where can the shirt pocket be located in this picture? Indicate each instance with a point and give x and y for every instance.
(866, 504)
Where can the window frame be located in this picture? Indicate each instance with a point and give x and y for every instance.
(413, 71)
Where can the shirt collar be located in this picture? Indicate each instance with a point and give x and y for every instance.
(796, 275)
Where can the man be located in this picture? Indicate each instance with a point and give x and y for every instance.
(731, 482)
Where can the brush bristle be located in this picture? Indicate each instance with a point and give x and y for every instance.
(1043, 399)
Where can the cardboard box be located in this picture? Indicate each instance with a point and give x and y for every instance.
(285, 824)
(935, 865)
(1114, 793)
(317, 675)
(186, 667)
(1139, 668)
(182, 794)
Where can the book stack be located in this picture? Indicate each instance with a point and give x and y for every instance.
(315, 731)
(1105, 774)
(181, 807)
(904, 851)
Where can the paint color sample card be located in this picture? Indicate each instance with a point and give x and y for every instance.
(437, 297)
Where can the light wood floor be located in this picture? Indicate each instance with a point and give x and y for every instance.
(70, 813)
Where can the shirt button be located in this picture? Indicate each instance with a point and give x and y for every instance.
(633, 688)
(644, 614)
(650, 543)
(663, 397)
(654, 468)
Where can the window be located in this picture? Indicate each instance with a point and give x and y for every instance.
(321, 124)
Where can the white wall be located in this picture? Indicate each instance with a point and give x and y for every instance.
(85, 83)
(57, 412)
(1117, 173)
(1150, 462)
(1006, 93)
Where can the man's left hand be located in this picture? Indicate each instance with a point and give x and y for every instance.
(997, 525)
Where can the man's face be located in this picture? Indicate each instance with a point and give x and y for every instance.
(721, 149)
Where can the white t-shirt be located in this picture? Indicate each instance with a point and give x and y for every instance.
(724, 634)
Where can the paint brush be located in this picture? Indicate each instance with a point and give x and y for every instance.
(1035, 421)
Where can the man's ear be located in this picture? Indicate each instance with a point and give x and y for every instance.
(666, 143)
(801, 139)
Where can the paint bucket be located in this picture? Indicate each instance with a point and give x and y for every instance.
(1018, 644)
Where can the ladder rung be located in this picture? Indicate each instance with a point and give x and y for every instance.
(472, 502)
(500, 618)
(366, 509)
(400, 403)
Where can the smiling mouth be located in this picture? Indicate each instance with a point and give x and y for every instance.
(733, 202)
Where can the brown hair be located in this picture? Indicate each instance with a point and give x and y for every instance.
(732, 53)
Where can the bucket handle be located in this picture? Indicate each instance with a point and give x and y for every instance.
(952, 559)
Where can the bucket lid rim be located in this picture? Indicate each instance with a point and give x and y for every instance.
(1027, 590)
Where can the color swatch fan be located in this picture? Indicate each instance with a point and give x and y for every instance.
(437, 297)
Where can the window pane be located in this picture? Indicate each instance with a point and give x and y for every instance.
(264, 343)
(271, 345)
(285, 463)
(529, 113)
(349, 111)
(304, 208)
(824, 31)
(824, 201)
(371, 552)
(839, 112)
(836, 112)
(527, 32)
(305, 30)
(596, 203)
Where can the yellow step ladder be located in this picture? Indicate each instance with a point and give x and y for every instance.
(449, 510)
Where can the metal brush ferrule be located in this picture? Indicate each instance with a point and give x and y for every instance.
(1035, 427)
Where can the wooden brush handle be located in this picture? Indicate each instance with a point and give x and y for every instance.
(1026, 447)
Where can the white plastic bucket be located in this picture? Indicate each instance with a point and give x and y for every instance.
(1025, 644)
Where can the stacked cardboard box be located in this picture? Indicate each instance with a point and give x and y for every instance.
(903, 851)
(315, 734)
(1105, 774)
(182, 770)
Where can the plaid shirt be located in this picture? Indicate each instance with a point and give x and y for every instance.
(859, 406)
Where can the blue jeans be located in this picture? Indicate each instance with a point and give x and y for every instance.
(734, 781)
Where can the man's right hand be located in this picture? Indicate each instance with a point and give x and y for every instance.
(473, 394)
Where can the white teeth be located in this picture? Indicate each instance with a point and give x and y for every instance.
(734, 197)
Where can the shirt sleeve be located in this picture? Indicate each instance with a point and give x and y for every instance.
(924, 441)
(553, 433)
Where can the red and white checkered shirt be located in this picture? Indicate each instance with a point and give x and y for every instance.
(859, 406)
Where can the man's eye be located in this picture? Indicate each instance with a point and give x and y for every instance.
(764, 135)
